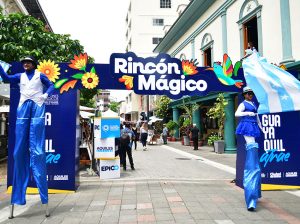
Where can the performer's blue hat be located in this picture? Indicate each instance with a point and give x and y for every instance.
(247, 89)
(31, 59)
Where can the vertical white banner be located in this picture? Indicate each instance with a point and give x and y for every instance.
(97, 127)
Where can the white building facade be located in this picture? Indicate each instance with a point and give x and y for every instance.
(227, 26)
(147, 22)
(209, 28)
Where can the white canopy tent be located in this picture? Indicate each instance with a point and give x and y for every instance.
(153, 119)
(109, 113)
(4, 109)
(86, 115)
(88, 109)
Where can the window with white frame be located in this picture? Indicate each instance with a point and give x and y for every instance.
(165, 3)
(158, 22)
(156, 40)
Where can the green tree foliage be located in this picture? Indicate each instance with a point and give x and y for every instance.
(87, 97)
(189, 108)
(171, 125)
(218, 112)
(22, 35)
(114, 106)
(162, 107)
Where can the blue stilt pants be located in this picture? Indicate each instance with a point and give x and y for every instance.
(252, 176)
(29, 152)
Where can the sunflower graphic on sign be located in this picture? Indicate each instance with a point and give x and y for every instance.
(50, 69)
(89, 79)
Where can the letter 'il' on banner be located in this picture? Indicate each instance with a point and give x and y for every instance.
(104, 148)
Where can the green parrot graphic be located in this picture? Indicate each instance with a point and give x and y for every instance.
(224, 72)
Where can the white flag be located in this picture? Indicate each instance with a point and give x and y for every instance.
(275, 89)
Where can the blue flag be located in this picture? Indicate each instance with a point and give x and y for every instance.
(275, 89)
(5, 67)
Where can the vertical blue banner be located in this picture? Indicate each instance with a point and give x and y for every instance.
(62, 141)
(278, 152)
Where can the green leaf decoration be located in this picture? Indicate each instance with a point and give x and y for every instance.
(83, 68)
(237, 66)
(93, 70)
(77, 76)
(59, 83)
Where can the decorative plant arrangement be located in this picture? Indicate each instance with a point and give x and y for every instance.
(212, 138)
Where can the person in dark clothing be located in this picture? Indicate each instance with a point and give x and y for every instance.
(195, 134)
(134, 139)
(125, 146)
(144, 135)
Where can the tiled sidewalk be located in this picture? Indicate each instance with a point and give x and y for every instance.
(166, 187)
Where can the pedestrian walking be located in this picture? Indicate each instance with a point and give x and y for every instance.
(195, 136)
(29, 148)
(136, 134)
(165, 134)
(125, 146)
(249, 126)
(144, 135)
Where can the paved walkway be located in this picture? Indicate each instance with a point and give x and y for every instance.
(171, 184)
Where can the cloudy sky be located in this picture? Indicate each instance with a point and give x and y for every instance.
(99, 25)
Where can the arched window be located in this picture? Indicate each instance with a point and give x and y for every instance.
(207, 49)
(182, 57)
(250, 26)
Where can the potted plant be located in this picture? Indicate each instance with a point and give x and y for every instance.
(185, 130)
(171, 125)
(218, 112)
(215, 140)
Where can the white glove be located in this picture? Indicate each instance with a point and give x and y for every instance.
(248, 51)
(251, 114)
(43, 97)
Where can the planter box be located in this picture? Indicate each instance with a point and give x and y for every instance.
(186, 140)
(219, 146)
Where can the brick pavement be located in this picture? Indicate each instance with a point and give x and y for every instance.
(168, 186)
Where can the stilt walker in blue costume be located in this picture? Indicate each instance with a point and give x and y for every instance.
(249, 127)
(29, 148)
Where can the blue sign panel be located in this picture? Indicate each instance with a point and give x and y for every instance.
(62, 139)
(278, 151)
(110, 127)
(279, 154)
